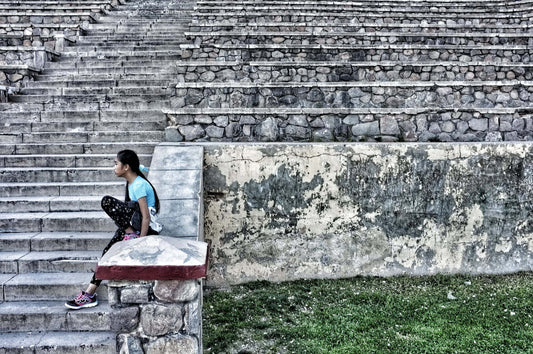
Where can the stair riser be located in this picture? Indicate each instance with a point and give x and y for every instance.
(43, 190)
(64, 161)
(43, 176)
(89, 127)
(59, 93)
(131, 70)
(17, 244)
(151, 83)
(48, 206)
(96, 137)
(25, 292)
(57, 225)
(65, 266)
(18, 121)
(59, 321)
(72, 244)
(110, 102)
(69, 148)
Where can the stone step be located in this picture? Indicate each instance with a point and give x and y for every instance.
(149, 81)
(33, 114)
(54, 241)
(97, 90)
(121, 54)
(118, 101)
(82, 137)
(77, 127)
(48, 286)
(109, 78)
(59, 221)
(113, 72)
(30, 316)
(76, 148)
(360, 38)
(39, 204)
(122, 47)
(111, 64)
(48, 262)
(64, 189)
(154, 38)
(55, 174)
(61, 342)
(65, 160)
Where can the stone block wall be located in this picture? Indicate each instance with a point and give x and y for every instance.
(280, 212)
(16, 76)
(156, 317)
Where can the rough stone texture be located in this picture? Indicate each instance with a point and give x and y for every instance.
(124, 319)
(172, 326)
(157, 319)
(347, 210)
(135, 294)
(176, 290)
(129, 344)
(177, 344)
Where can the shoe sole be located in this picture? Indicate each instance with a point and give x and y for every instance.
(92, 304)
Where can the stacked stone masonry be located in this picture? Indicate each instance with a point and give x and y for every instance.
(34, 32)
(168, 312)
(452, 71)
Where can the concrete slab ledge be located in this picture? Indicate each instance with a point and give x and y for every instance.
(154, 258)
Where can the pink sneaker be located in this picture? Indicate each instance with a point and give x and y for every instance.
(130, 236)
(81, 301)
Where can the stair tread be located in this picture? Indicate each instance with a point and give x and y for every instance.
(82, 342)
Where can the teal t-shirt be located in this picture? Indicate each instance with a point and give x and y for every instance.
(141, 188)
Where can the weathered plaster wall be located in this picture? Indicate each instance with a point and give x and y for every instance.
(287, 211)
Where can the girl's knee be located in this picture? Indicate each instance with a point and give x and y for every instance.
(106, 200)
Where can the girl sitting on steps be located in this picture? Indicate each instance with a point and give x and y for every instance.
(141, 197)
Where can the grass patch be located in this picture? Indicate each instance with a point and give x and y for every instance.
(438, 314)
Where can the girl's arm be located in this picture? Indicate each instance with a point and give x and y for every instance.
(143, 205)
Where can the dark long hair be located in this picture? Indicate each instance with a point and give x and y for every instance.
(129, 157)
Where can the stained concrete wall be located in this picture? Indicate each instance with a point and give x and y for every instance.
(289, 211)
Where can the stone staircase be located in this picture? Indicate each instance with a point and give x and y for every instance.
(57, 146)
(356, 71)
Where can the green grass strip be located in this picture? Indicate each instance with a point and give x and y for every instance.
(438, 314)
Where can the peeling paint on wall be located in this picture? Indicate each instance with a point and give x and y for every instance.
(289, 211)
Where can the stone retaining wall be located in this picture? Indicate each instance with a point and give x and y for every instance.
(379, 125)
(156, 317)
(280, 212)
(31, 56)
(414, 53)
(262, 72)
(357, 39)
(16, 76)
(484, 94)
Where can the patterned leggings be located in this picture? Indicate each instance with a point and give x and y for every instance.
(121, 215)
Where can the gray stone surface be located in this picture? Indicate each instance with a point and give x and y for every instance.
(173, 344)
(161, 319)
(177, 290)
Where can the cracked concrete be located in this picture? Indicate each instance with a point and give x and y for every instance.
(290, 211)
